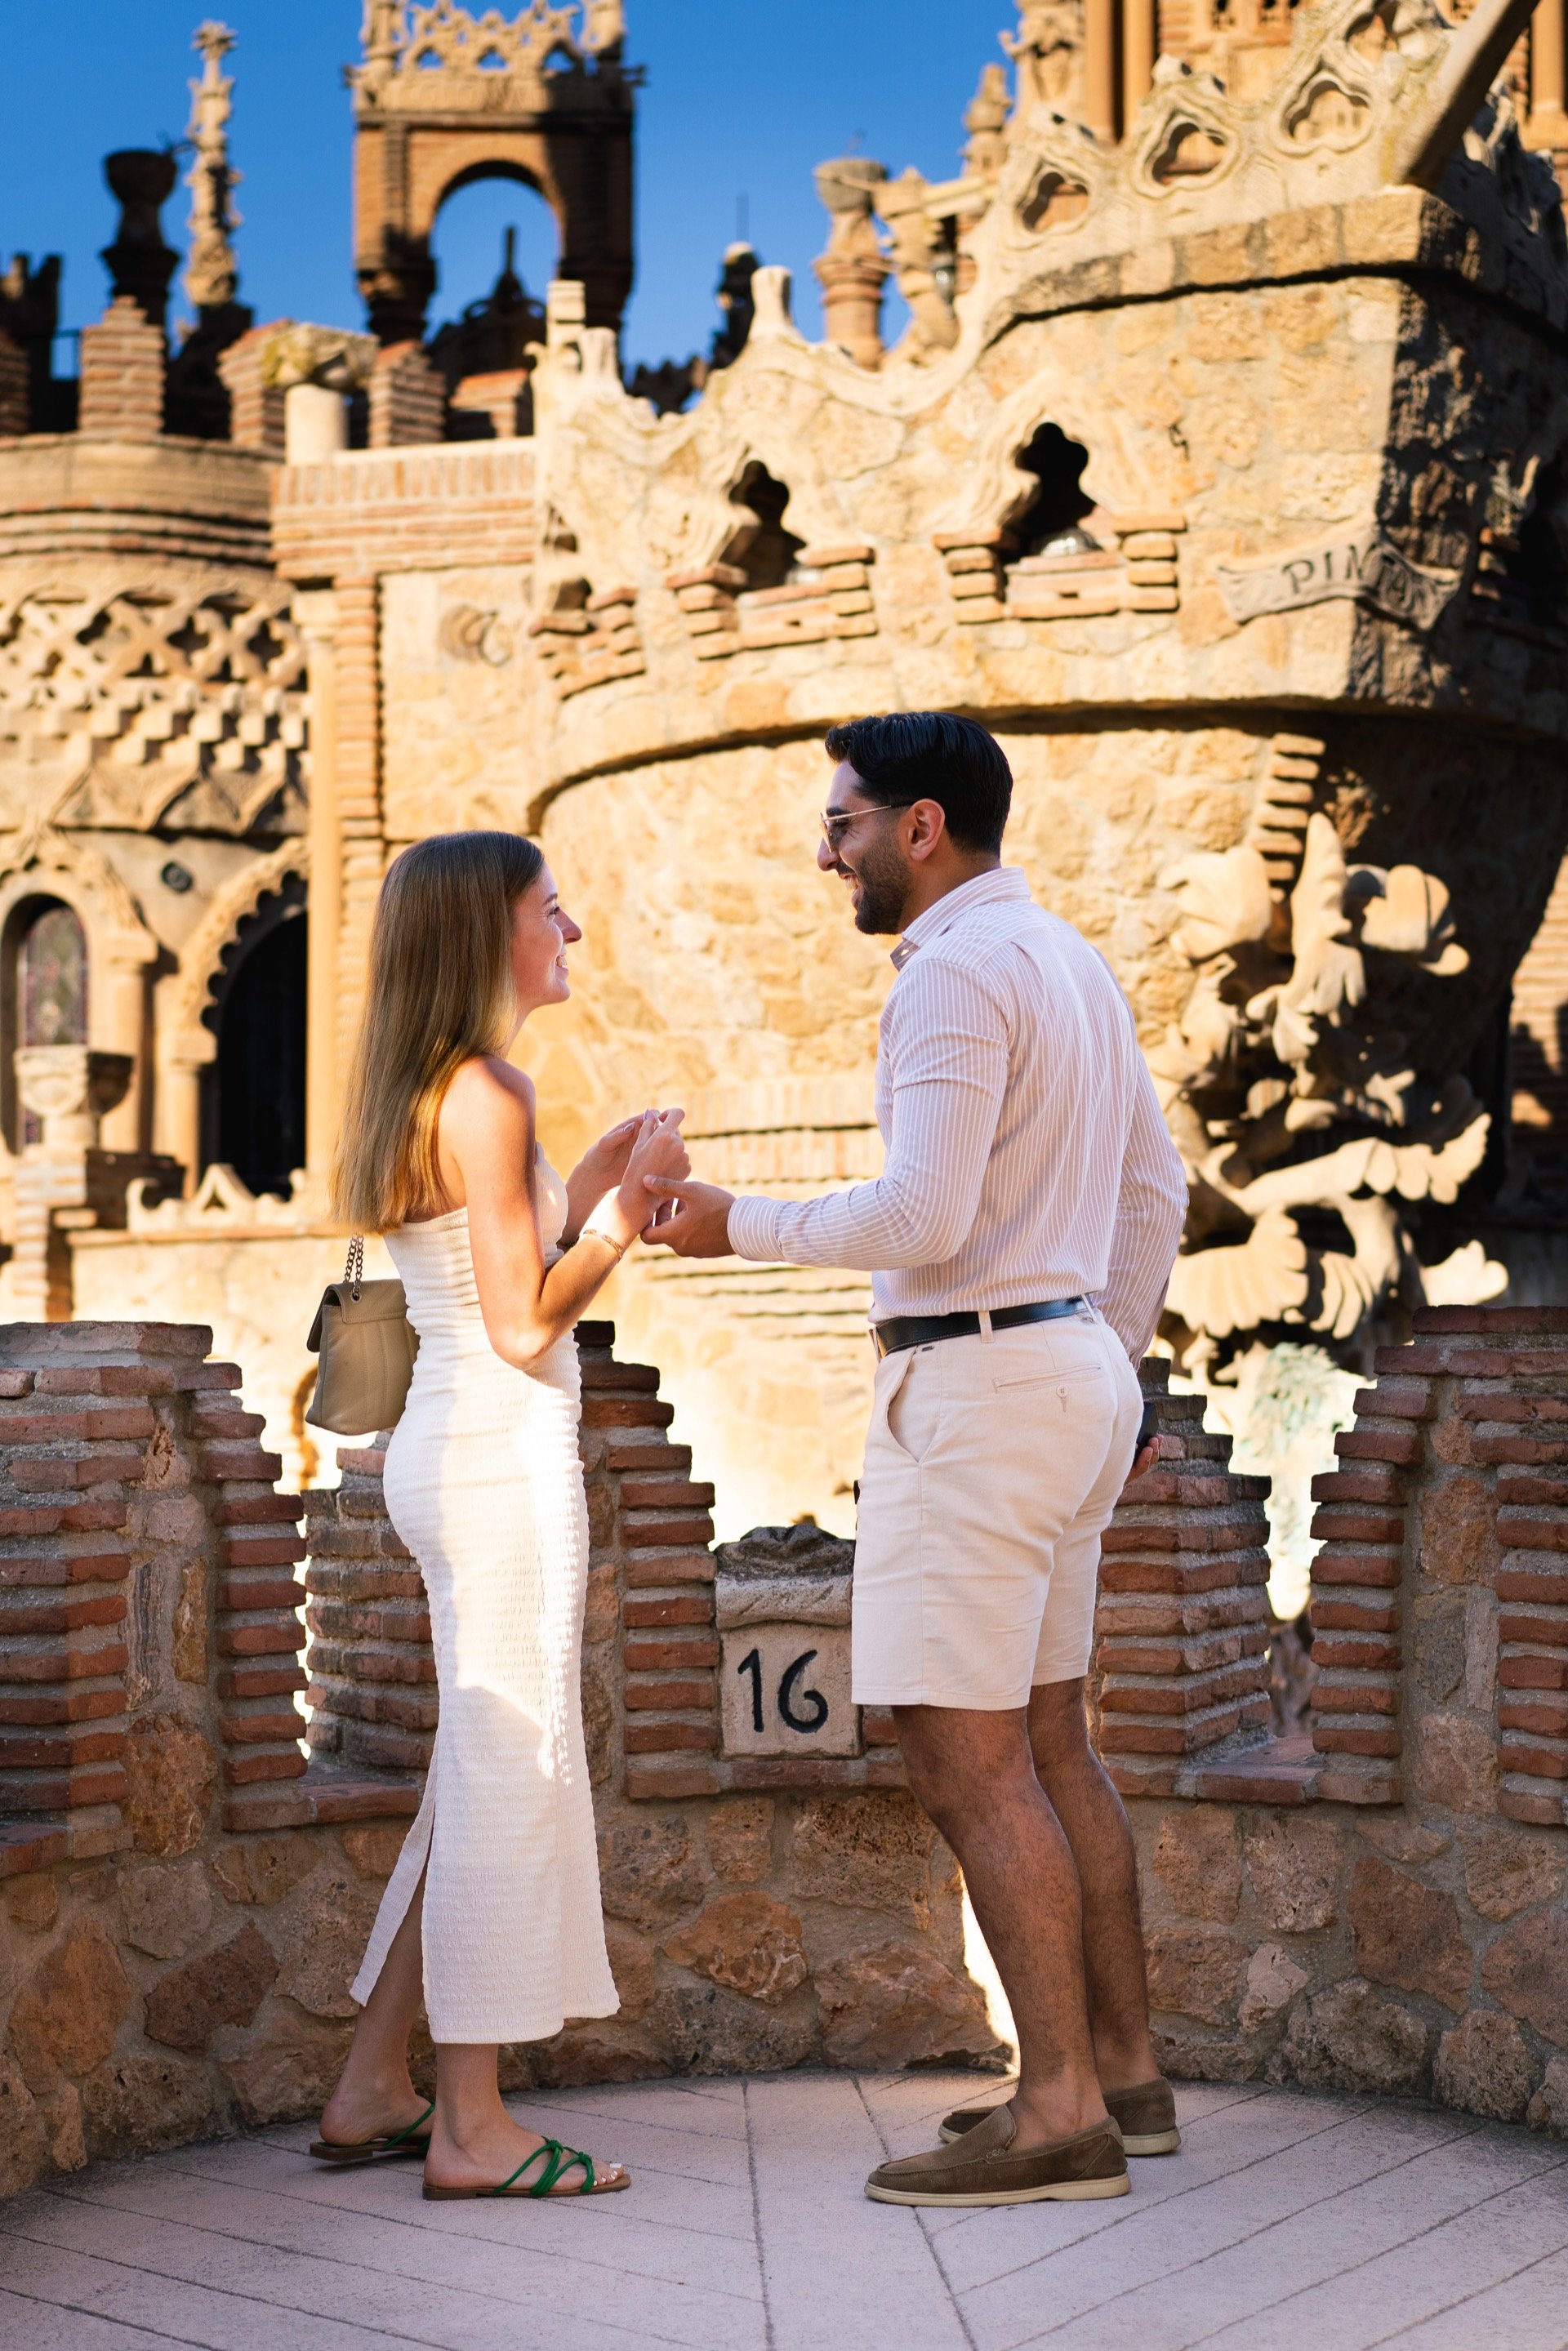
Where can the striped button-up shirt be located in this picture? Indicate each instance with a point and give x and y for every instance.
(1025, 1155)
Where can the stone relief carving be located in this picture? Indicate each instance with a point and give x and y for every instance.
(465, 633)
(1289, 1095)
(133, 693)
(1367, 567)
(1200, 156)
(402, 42)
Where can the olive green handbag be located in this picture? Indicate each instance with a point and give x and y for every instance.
(367, 1345)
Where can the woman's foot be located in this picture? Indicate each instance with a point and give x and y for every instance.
(490, 2151)
(358, 2112)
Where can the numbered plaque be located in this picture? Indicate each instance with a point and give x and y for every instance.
(787, 1691)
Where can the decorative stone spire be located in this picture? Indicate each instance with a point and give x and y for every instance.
(211, 274)
(854, 270)
(139, 264)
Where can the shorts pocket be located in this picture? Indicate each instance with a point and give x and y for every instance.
(1011, 1384)
(914, 1411)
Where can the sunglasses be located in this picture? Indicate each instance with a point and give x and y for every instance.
(836, 822)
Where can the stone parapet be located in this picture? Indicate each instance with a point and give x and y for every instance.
(372, 1673)
(1409, 1935)
(1182, 1630)
(63, 495)
(183, 1904)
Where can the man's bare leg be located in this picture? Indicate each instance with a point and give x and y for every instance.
(973, 1773)
(1096, 1826)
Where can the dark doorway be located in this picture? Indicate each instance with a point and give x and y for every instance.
(252, 1111)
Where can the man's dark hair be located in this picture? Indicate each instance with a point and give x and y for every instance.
(928, 755)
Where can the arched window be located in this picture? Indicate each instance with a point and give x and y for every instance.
(43, 983)
(253, 1098)
(1052, 522)
(764, 550)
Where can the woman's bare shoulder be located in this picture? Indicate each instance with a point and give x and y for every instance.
(489, 1092)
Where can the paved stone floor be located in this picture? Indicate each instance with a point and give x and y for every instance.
(1334, 2224)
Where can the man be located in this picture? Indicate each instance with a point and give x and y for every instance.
(1019, 1238)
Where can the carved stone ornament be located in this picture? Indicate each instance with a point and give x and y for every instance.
(476, 52)
(1367, 567)
(465, 633)
(71, 1088)
(140, 691)
(1199, 156)
(1330, 1120)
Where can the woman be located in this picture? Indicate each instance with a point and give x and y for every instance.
(493, 1909)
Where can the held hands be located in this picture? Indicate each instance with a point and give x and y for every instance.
(604, 1164)
(698, 1224)
(656, 1151)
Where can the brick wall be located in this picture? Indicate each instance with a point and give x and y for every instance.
(124, 361)
(1182, 1630)
(183, 1901)
(407, 398)
(405, 509)
(255, 406)
(1410, 1933)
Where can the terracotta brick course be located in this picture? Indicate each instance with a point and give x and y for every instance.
(682, 1608)
(670, 1737)
(1394, 1443)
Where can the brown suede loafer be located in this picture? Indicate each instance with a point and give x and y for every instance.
(981, 2168)
(1144, 2115)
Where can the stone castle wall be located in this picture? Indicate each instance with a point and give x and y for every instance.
(1377, 1903)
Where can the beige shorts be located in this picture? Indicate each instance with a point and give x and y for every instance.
(992, 1467)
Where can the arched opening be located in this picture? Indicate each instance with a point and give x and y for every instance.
(1531, 571)
(1052, 521)
(43, 995)
(495, 245)
(767, 553)
(253, 1095)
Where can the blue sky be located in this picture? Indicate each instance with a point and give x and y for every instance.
(740, 101)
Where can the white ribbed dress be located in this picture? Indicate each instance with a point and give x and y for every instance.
(484, 1486)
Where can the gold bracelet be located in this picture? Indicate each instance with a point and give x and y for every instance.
(594, 1233)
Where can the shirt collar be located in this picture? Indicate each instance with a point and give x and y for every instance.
(1002, 882)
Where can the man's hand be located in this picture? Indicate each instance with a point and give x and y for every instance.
(699, 1224)
(1151, 1446)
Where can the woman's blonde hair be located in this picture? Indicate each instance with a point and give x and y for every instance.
(440, 994)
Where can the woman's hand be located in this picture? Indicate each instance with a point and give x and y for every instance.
(600, 1170)
(604, 1162)
(657, 1149)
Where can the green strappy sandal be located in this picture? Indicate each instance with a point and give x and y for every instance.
(413, 2139)
(558, 2160)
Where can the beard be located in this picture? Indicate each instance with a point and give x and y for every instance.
(883, 877)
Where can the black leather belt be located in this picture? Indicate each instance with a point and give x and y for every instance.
(920, 1330)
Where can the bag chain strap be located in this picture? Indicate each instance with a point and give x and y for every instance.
(354, 1271)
